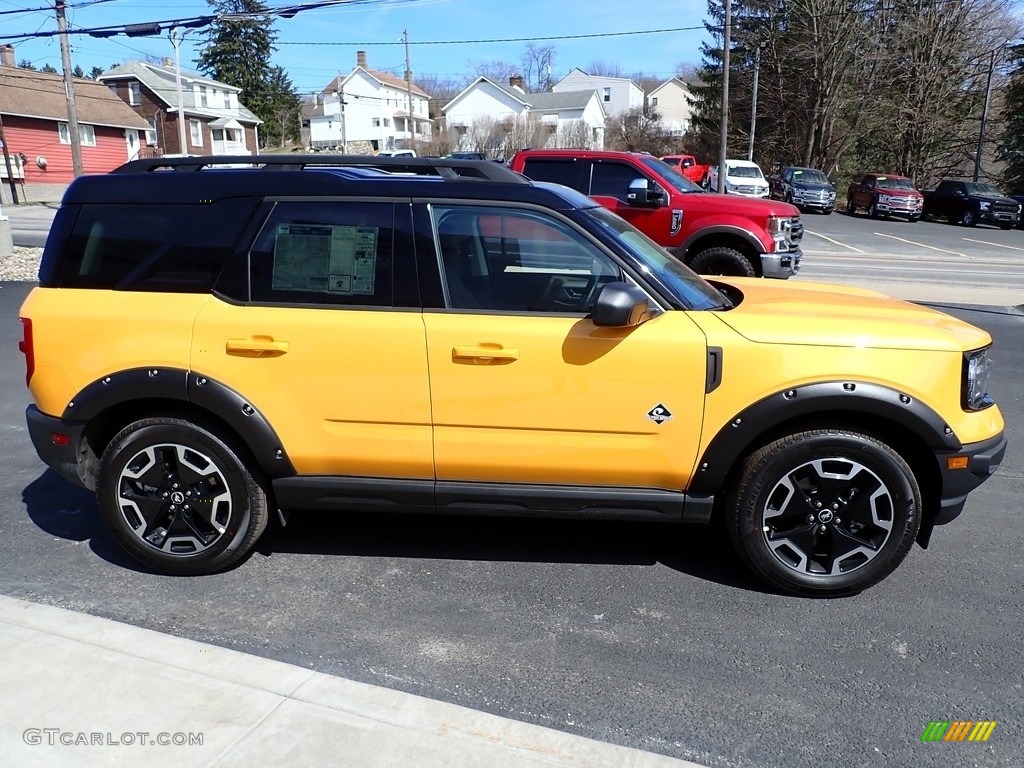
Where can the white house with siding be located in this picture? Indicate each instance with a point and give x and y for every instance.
(671, 100)
(617, 94)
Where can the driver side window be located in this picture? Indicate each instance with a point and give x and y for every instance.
(506, 260)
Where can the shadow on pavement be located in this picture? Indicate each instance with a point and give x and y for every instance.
(64, 510)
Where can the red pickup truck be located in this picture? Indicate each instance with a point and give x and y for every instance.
(712, 234)
(689, 167)
(885, 194)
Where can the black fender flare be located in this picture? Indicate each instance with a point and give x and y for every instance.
(719, 229)
(220, 400)
(823, 398)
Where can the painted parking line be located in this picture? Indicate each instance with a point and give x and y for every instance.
(997, 245)
(834, 242)
(920, 245)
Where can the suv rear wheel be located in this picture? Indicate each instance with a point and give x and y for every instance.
(826, 512)
(179, 498)
(722, 261)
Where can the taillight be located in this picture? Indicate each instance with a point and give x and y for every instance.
(25, 345)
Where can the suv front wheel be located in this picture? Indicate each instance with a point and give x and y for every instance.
(825, 512)
(179, 498)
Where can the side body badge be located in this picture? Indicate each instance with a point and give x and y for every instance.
(659, 414)
(677, 221)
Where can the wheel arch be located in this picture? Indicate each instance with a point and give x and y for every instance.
(722, 237)
(909, 426)
(109, 404)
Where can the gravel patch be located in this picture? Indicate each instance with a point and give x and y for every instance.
(22, 265)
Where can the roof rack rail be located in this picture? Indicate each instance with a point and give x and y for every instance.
(448, 168)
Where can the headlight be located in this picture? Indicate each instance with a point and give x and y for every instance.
(977, 371)
(779, 225)
(983, 206)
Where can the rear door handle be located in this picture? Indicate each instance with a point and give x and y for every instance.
(486, 353)
(256, 346)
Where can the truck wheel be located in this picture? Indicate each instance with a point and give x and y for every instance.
(826, 512)
(850, 207)
(969, 218)
(873, 210)
(179, 498)
(722, 261)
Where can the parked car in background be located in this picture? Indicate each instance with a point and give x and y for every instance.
(742, 177)
(396, 153)
(1019, 199)
(711, 234)
(689, 167)
(807, 188)
(971, 203)
(885, 194)
(467, 156)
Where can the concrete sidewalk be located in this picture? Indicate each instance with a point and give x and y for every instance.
(82, 690)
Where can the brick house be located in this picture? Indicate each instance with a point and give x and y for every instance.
(216, 123)
(34, 109)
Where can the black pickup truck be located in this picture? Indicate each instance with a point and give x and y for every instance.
(971, 203)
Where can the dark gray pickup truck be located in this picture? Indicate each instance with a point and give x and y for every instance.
(971, 203)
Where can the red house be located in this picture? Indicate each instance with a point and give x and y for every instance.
(35, 118)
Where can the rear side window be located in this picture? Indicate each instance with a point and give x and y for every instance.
(334, 252)
(566, 172)
(613, 180)
(171, 248)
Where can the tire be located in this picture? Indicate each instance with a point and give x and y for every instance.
(914, 219)
(872, 210)
(722, 261)
(851, 209)
(969, 218)
(1006, 226)
(153, 473)
(824, 513)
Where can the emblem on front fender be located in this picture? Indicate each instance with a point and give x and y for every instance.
(659, 414)
(677, 221)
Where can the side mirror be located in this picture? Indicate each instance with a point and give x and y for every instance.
(620, 305)
(640, 193)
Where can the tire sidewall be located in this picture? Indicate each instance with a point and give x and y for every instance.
(884, 462)
(722, 261)
(135, 438)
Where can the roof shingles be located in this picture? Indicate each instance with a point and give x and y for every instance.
(28, 93)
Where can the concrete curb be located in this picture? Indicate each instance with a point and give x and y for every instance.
(83, 690)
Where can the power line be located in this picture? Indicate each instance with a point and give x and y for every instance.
(503, 40)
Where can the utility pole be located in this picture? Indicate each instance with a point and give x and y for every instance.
(753, 104)
(341, 114)
(984, 113)
(723, 136)
(177, 36)
(69, 91)
(408, 85)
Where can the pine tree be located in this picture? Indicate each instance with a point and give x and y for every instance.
(1011, 147)
(237, 49)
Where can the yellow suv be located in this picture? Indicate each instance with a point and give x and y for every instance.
(216, 340)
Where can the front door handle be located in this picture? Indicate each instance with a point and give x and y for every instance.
(485, 353)
(256, 346)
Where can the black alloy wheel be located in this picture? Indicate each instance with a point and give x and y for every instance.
(179, 498)
(825, 512)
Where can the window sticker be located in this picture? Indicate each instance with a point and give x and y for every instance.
(325, 258)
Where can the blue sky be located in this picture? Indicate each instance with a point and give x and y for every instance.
(376, 27)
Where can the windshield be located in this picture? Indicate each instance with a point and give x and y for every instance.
(689, 289)
(744, 171)
(809, 175)
(671, 174)
(898, 182)
(982, 189)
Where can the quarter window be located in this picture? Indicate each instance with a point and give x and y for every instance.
(500, 259)
(325, 253)
(612, 179)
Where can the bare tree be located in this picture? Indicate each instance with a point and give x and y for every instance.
(574, 134)
(522, 132)
(637, 130)
(603, 68)
(498, 71)
(537, 61)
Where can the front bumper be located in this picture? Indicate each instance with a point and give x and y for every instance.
(781, 265)
(999, 218)
(983, 460)
(63, 457)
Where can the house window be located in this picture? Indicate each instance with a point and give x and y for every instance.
(134, 94)
(86, 134)
(376, 122)
(196, 129)
(387, 122)
(202, 96)
(151, 133)
(607, 94)
(654, 101)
